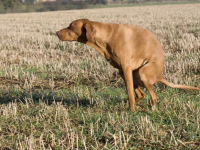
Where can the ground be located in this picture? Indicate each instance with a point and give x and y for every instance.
(64, 95)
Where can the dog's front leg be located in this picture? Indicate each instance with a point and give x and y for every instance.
(128, 77)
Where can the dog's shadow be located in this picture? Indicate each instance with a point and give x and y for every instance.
(73, 99)
(49, 97)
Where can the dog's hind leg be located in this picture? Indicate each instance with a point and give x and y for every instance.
(139, 93)
(149, 75)
(149, 87)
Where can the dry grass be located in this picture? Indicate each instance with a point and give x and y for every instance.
(56, 95)
(31, 52)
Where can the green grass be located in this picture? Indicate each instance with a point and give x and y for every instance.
(85, 117)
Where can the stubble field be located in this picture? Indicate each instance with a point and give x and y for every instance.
(62, 95)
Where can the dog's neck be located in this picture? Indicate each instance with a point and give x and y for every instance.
(102, 39)
(103, 31)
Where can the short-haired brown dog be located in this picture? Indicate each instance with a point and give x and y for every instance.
(135, 51)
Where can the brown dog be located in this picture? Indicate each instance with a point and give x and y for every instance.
(133, 50)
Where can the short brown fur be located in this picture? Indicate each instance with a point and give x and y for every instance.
(135, 51)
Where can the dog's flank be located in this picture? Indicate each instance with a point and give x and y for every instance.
(135, 51)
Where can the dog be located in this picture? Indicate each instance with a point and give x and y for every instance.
(133, 50)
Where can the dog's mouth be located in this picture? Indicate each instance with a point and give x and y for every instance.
(58, 34)
(62, 38)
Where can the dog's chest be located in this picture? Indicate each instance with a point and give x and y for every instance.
(114, 64)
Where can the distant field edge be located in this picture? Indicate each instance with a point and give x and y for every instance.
(83, 5)
(145, 4)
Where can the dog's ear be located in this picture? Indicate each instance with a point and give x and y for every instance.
(90, 32)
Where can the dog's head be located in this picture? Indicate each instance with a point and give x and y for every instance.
(80, 30)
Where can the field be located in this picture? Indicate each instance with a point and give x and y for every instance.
(64, 95)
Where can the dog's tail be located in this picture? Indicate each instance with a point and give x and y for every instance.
(172, 85)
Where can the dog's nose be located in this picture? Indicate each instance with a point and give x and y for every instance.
(58, 33)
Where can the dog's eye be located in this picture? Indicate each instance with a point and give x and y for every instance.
(69, 27)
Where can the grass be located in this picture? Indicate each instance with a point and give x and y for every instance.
(88, 118)
(62, 95)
